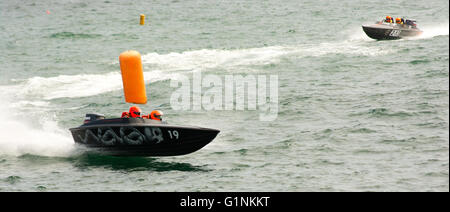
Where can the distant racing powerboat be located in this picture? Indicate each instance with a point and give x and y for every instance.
(383, 30)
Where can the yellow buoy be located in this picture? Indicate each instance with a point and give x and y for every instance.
(132, 77)
(142, 19)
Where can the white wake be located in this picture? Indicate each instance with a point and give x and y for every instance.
(20, 136)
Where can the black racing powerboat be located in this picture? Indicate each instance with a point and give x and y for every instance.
(392, 31)
(140, 137)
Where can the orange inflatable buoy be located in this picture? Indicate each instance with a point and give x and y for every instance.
(132, 77)
(142, 19)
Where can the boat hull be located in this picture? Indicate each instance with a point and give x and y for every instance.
(141, 137)
(381, 32)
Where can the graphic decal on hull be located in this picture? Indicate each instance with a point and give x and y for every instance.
(395, 33)
(128, 136)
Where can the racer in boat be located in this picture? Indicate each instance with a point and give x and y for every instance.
(388, 19)
(135, 112)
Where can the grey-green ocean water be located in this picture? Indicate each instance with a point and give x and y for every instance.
(355, 114)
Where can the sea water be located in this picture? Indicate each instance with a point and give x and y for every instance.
(354, 114)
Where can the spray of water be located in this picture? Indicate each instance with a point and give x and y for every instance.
(434, 30)
(19, 136)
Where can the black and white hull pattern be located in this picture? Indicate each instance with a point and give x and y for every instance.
(387, 31)
(141, 137)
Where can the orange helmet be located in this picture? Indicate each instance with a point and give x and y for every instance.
(398, 20)
(389, 19)
(156, 115)
(135, 112)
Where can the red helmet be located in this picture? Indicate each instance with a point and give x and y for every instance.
(135, 112)
(156, 115)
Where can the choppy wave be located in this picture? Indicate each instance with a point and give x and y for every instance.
(415, 62)
(71, 35)
(381, 112)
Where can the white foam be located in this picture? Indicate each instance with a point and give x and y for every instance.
(75, 86)
(348, 48)
(30, 104)
(234, 59)
(212, 58)
(18, 136)
(356, 34)
(434, 30)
